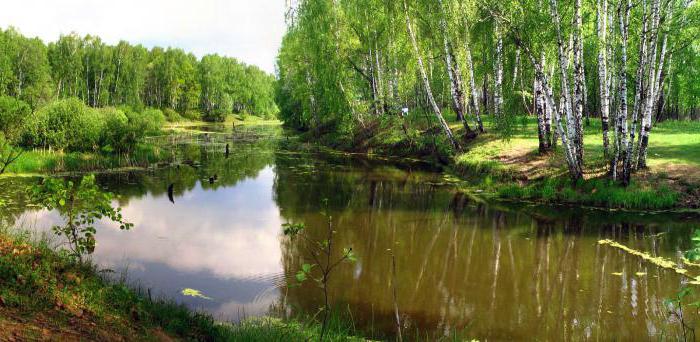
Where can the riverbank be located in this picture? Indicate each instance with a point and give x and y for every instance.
(38, 162)
(46, 295)
(512, 168)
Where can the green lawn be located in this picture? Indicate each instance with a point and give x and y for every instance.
(511, 168)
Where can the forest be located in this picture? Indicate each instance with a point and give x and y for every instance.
(347, 67)
(103, 75)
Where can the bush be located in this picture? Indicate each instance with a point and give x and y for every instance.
(192, 115)
(117, 134)
(13, 112)
(171, 115)
(64, 125)
(148, 122)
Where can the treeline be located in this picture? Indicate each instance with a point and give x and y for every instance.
(344, 64)
(104, 75)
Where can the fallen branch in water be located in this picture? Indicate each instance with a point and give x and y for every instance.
(658, 261)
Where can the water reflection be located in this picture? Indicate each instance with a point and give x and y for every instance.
(493, 271)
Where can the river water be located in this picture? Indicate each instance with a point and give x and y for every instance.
(487, 270)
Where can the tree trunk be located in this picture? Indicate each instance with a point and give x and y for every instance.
(603, 73)
(652, 89)
(472, 85)
(454, 74)
(622, 153)
(426, 82)
(579, 85)
(570, 136)
(498, 83)
(540, 112)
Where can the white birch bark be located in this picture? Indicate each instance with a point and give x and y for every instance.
(603, 72)
(567, 136)
(650, 92)
(622, 153)
(472, 86)
(426, 82)
(498, 82)
(579, 85)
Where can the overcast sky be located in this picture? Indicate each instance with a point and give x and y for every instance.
(250, 30)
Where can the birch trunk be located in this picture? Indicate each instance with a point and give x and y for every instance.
(568, 136)
(622, 153)
(498, 83)
(549, 97)
(579, 85)
(426, 82)
(603, 72)
(454, 74)
(652, 89)
(540, 112)
(472, 85)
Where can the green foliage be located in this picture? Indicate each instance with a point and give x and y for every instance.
(114, 75)
(81, 205)
(193, 115)
(150, 121)
(66, 124)
(171, 115)
(595, 192)
(13, 112)
(8, 154)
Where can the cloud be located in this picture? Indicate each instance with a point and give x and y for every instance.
(232, 233)
(248, 30)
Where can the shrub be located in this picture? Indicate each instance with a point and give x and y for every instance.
(13, 112)
(171, 115)
(192, 115)
(117, 134)
(150, 121)
(66, 124)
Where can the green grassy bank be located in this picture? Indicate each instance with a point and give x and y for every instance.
(46, 295)
(510, 167)
(41, 161)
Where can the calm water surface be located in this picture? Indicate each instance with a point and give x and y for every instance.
(492, 271)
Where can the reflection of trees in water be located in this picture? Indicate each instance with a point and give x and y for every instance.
(14, 198)
(498, 273)
(245, 162)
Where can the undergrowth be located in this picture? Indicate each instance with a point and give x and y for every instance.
(593, 192)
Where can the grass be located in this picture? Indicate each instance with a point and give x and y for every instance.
(50, 162)
(43, 162)
(238, 119)
(595, 192)
(511, 167)
(671, 181)
(46, 294)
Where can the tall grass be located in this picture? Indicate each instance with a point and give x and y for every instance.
(55, 162)
(594, 192)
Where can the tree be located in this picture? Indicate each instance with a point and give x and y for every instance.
(81, 205)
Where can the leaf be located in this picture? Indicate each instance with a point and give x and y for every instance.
(194, 293)
(306, 268)
(301, 276)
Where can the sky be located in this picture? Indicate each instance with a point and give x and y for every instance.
(249, 30)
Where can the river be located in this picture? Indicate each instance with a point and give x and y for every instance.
(486, 269)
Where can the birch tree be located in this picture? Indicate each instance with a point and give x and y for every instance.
(426, 82)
